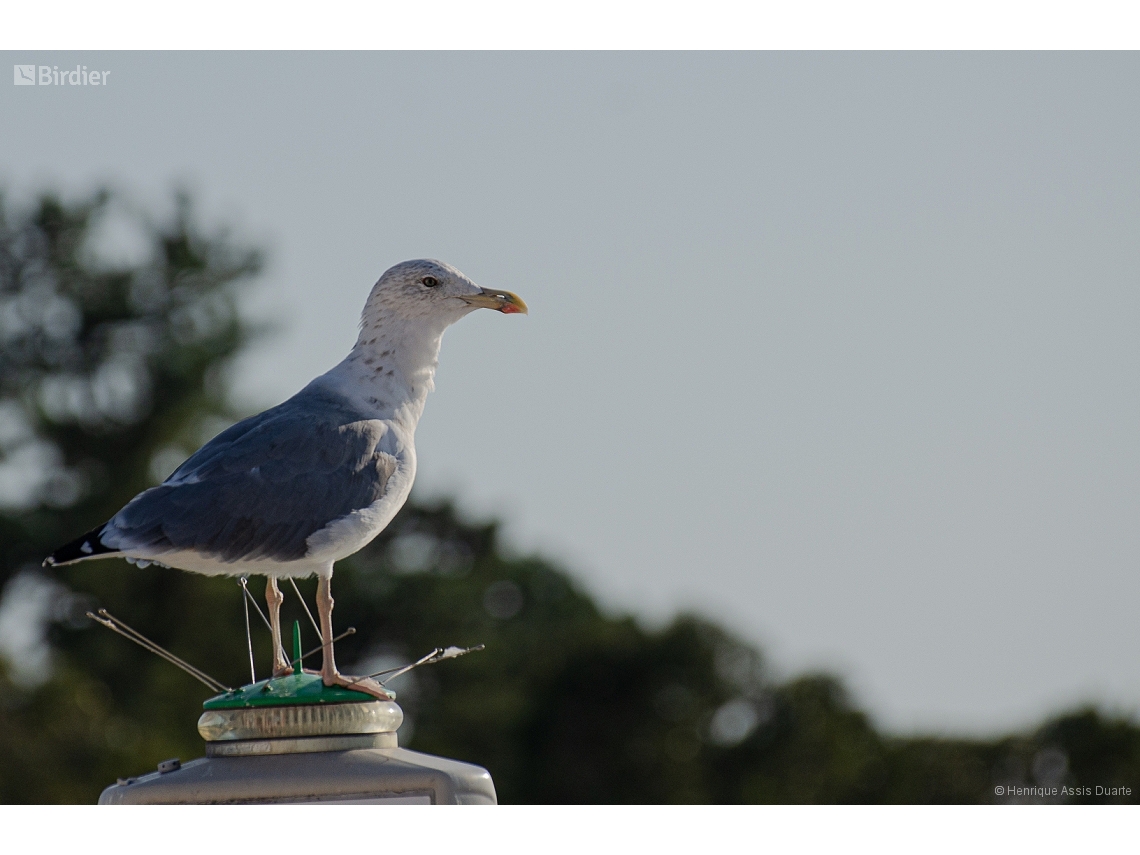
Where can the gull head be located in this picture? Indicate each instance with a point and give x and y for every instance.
(433, 292)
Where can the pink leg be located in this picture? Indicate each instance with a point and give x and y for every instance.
(324, 609)
(329, 674)
(274, 599)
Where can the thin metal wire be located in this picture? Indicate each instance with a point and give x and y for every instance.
(264, 619)
(424, 660)
(297, 590)
(436, 655)
(122, 628)
(105, 618)
(350, 631)
(156, 648)
(244, 582)
(248, 634)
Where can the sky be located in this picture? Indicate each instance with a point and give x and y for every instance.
(838, 349)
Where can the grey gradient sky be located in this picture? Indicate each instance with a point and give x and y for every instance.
(838, 349)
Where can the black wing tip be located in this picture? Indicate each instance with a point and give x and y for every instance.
(87, 546)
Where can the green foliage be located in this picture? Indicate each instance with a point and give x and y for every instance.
(105, 370)
(566, 704)
(104, 366)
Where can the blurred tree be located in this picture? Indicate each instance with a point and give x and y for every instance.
(109, 375)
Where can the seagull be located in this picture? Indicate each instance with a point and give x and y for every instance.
(291, 491)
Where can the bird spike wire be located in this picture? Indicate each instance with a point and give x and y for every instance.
(244, 582)
(312, 620)
(248, 634)
(437, 655)
(105, 618)
(350, 631)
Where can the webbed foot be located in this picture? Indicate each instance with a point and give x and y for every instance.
(358, 684)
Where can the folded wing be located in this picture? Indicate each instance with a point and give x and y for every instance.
(261, 488)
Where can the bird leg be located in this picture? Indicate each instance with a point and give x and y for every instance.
(329, 674)
(324, 609)
(274, 598)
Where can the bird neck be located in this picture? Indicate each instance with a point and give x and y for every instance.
(391, 369)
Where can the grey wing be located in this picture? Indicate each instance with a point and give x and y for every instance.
(262, 488)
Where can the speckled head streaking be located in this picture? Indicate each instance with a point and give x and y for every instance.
(425, 290)
(292, 490)
(392, 367)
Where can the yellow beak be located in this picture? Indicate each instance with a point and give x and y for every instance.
(500, 301)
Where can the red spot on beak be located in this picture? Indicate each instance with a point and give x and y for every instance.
(509, 309)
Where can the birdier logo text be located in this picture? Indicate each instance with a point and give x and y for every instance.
(53, 75)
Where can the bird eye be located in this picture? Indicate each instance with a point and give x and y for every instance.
(430, 281)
